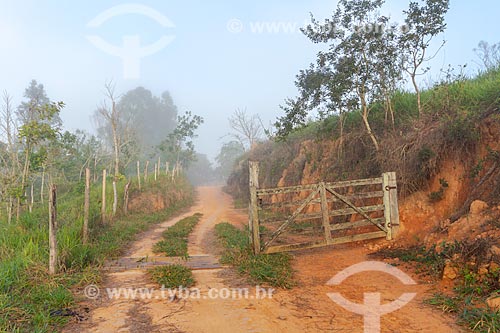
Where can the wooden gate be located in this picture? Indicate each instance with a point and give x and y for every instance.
(315, 215)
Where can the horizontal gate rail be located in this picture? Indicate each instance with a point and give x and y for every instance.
(363, 195)
(333, 213)
(356, 224)
(298, 188)
(334, 241)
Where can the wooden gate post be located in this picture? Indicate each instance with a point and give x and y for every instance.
(393, 203)
(53, 229)
(86, 207)
(387, 205)
(324, 211)
(391, 211)
(253, 208)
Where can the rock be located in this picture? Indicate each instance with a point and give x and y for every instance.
(450, 272)
(494, 302)
(483, 270)
(495, 250)
(478, 206)
(494, 267)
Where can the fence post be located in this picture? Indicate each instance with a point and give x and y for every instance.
(324, 211)
(53, 229)
(387, 205)
(103, 206)
(146, 171)
(253, 209)
(86, 207)
(139, 174)
(125, 198)
(393, 203)
(156, 171)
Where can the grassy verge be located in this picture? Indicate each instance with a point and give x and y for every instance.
(273, 269)
(173, 276)
(175, 237)
(473, 285)
(29, 296)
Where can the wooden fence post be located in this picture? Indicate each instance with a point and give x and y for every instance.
(139, 174)
(86, 207)
(53, 229)
(393, 203)
(32, 199)
(324, 211)
(146, 171)
(159, 165)
(387, 205)
(156, 171)
(103, 205)
(166, 168)
(125, 198)
(253, 208)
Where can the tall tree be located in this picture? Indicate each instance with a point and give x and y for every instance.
(153, 118)
(36, 136)
(247, 129)
(351, 73)
(425, 20)
(179, 145)
(228, 155)
(35, 97)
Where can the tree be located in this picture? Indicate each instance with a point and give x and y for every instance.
(488, 54)
(353, 72)
(36, 97)
(9, 157)
(229, 153)
(424, 22)
(153, 118)
(247, 128)
(179, 146)
(112, 118)
(200, 171)
(35, 135)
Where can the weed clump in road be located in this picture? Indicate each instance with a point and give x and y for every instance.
(274, 269)
(173, 276)
(174, 243)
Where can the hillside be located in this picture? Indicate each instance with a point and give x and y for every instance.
(447, 163)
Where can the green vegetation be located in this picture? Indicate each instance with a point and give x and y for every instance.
(173, 276)
(175, 237)
(28, 294)
(274, 269)
(468, 301)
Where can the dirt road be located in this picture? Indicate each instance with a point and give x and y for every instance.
(306, 308)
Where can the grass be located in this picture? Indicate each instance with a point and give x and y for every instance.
(273, 269)
(173, 276)
(468, 300)
(175, 237)
(28, 294)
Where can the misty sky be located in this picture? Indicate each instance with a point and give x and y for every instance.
(215, 63)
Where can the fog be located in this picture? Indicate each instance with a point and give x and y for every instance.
(212, 58)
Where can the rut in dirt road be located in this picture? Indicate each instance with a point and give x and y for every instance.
(305, 308)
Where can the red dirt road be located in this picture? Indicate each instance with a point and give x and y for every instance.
(306, 308)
